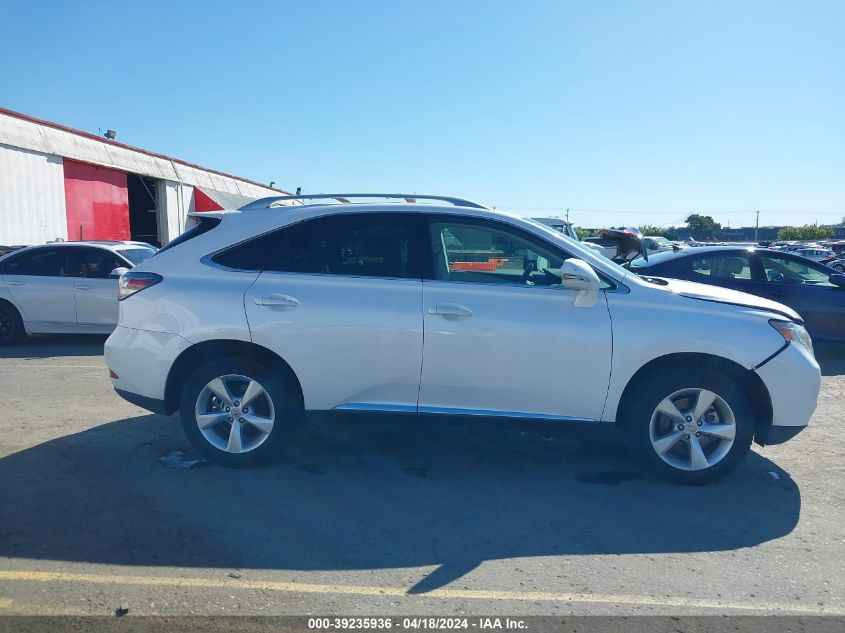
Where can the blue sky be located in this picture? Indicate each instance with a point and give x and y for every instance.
(625, 112)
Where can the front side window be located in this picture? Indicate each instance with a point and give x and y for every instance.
(351, 244)
(488, 252)
(733, 266)
(93, 263)
(793, 271)
(41, 262)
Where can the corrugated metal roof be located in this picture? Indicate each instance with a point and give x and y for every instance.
(27, 132)
(227, 200)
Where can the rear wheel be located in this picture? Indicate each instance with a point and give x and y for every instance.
(11, 325)
(839, 268)
(690, 425)
(237, 412)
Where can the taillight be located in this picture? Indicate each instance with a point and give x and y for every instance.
(132, 282)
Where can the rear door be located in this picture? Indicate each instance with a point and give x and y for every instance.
(95, 290)
(729, 269)
(340, 301)
(40, 286)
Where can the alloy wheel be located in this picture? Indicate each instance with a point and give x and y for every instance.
(692, 429)
(235, 413)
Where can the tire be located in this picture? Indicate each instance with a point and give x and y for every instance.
(11, 325)
(839, 268)
(669, 451)
(240, 436)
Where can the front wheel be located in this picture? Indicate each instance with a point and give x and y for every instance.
(839, 268)
(237, 412)
(690, 426)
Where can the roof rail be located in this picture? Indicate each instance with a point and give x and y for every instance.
(343, 198)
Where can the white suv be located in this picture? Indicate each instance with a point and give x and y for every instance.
(254, 317)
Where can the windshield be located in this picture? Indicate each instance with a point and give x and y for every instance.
(569, 241)
(136, 255)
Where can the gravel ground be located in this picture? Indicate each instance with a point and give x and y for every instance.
(99, 511)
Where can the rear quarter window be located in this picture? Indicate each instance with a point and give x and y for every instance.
(251, 255)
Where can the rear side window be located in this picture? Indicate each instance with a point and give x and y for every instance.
(41, 262)
(723, 266)
(362, 245)
(250, 255)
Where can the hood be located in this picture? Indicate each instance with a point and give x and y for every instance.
(628, 241)
(705, 292)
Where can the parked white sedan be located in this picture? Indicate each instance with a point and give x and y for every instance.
(66, 287)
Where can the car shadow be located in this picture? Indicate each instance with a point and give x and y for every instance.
(831, 358)
(56, 345)
(385, 494)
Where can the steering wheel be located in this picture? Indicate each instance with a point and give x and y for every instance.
(530, 267)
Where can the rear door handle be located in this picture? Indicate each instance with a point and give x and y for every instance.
(16, 283)
(84, 287)
(451, 311)
(282, 302)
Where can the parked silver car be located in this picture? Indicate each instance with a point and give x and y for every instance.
(65, 287)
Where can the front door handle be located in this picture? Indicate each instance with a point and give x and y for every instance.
(84, 287)
(282, 302)
(451, 311)
(12, 282)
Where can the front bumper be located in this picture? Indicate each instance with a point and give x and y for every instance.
(793, 380)
(142, 361)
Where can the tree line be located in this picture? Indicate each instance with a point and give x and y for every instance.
(703, 228)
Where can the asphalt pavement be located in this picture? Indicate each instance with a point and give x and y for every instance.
(105, 509)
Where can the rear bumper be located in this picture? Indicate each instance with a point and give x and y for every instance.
(150, 404)
(142, 362)
(793, 381)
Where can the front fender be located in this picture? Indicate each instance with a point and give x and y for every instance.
(646, 328)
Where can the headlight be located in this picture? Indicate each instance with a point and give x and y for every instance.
(793, 333)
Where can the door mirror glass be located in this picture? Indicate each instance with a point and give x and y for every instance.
(838, 280)
(117, 272)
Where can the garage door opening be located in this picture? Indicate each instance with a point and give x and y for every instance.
(143, 212)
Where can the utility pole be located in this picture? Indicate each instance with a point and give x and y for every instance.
(567, 215)
(756, 225)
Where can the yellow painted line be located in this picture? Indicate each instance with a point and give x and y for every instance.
(444, 593)
(5, 603)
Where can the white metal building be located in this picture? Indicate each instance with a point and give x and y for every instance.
(60, 183)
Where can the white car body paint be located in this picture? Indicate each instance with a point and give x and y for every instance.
(371, 343)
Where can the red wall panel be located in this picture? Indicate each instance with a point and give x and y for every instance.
(97, 201)
(202, 202)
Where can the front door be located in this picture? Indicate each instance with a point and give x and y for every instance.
(805, 287)
(95, 291)
(502, 337)
(340, 302)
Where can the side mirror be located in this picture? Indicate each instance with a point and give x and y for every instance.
(576, 274)
(838, 279)
(117, 272)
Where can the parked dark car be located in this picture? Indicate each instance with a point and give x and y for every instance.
(815, 291)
